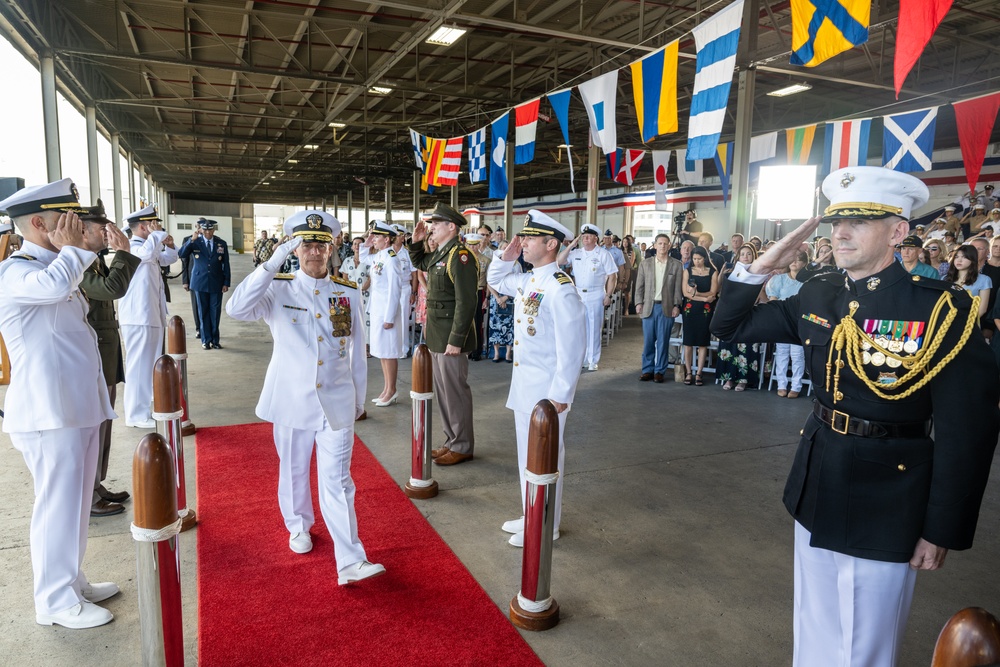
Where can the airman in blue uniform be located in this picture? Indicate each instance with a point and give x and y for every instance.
(210, 276)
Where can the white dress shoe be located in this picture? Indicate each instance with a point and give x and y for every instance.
(517, 539)
(386, 403)
(300, 543)
(99, 592)
(82, 615)
(593, 367)
(149, 423)
(359, 571)
(513, 526)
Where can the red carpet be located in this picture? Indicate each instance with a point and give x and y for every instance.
(261, 604)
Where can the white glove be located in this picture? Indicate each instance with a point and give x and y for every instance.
(281, 253)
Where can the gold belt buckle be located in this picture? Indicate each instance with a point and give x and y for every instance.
(833, 422)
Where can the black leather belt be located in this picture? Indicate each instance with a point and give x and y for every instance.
(843, 423)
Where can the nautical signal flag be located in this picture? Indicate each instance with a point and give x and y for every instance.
(846, 144)
(975, 119)
(525, 123)
(451, 163)
(654, 87)
(628, 166)
(477, 155)
(661, 162)
(799, 142)
(599, 96)
(417, 140)
(716, 40)
(823, 28)
(498, 157)
(918, 20)
(724, 164)
(689, 172)
(908, 140)
(560, 107)
(433, 158)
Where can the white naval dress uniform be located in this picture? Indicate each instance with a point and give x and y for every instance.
(590, 272)
(405, 292)
(142, 314)
(313, 390)
(383, 304)
(549, 347)
(54, 408)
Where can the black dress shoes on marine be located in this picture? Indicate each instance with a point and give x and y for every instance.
(104, 508)
(216, 346)
(112, 496)
(206, 346)
(645, 377)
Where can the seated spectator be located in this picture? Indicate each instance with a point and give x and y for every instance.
(909, 251)
(739, 363)
(779, 288)
(964, 271)
(936, 257)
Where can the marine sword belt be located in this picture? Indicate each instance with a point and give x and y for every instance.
(844, 424)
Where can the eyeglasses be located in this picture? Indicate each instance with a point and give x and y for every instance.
(934, 249)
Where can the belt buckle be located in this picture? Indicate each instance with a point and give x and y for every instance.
(833, 422)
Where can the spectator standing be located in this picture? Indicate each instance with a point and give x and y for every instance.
(705, 240)
(474, 243)
(407, 290)
(356, 271)
(595, 273)
(780, 288)
(964, 271)
(384, 306)
(658, 302)
(738, 363)
(262, 248)
(700, 287)
(210, 278)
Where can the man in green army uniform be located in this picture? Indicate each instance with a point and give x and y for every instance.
(102, 285)
(452, 282)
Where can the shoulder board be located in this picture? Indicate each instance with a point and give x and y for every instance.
(27, 257)
(392, 253)
(284, 276)
(342, 281)
(935, 284)
(563, 278)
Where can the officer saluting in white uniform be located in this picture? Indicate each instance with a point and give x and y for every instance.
(58, 397)
(315, 384)
(548, 338)
(595, 274)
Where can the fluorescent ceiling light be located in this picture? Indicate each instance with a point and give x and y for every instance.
(293, 162)
(266, 183)
(311, 147)
(565, 146)
(790, 90)
(380, 90)
(446, 36)
(338, 126)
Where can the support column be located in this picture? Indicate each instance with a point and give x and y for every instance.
(50, 118)
(131, 184)
(454, 195)
(593, 182)
(388, 200)
(350, 211)
(322, 204)
(740, 180)
(336, 207)
(116, 176)
(142, 184)
(508, 203)
(416, 198)
(367, 213)
(93, 169)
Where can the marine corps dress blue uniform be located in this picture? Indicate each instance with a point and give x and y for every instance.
(314, 387)
(890, 354)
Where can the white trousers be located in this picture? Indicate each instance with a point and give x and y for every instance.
(593, 305)
(336, 488)
(782, 353)
(63, 463)
(849, 612)
(404, 319)
(143, 346)
(521, 422)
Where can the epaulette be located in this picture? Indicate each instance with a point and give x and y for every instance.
(935, 284)
(392, 253)
(343, 281)
(563, 278)
(284, 276)
(463, 254)
(27, 257)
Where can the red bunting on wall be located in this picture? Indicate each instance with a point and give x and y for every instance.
(975, 119)
(918, 19)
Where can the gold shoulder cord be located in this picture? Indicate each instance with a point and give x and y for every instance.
(848, 334)
(447, 264)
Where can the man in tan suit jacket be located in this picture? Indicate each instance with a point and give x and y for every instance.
(658, 300)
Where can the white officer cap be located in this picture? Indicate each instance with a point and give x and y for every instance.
(400, 229)
(982, 206)
(382, 227)
(57, 196)
(537, 223)
(312, 226)
(590, 229)
(147, 214)
(473, 238)
(872, 193)
(950, 207)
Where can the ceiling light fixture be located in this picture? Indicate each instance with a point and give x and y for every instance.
(790, 90)
(311, 147)
(293, 162)
(380, 90)
(446, 35)
(338, 126)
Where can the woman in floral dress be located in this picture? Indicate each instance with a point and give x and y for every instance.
(739, 363)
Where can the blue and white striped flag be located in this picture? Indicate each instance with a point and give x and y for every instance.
(415, 139)
(477, 155)
(716, 41)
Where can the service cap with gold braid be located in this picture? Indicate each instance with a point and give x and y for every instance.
(874, 193)
(59, 196)
(147, 214)
(312, 226)
(537, 223)
(382, 227)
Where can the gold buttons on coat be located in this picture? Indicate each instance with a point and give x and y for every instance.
(519, 321)
(515, 342)
(319, 315)
(808, 341)
(915, 279)
(531, 320)
(319, 385)
(802, 431)
(901, 467)
(515, 363)
(316, 291)
(320, 339)
(319, 363)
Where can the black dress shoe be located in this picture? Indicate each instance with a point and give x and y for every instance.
(104, 508)
(216, 346)
(206, 346)
(112, 497)
(645, 377)
(658, 378)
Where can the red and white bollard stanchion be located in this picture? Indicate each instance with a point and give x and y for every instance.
(158, 564)
(167, 412)
(421, 486)
(533, 608)
(177, 350)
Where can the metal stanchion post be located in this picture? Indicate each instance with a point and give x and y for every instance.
(158, 562)
(421, 486)
(970, 637)
(167, 412)
(177, 349)
(534, 608)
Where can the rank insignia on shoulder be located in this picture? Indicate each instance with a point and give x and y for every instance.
(392, 253)
(463, 256)
(563, 278)
(284, 276)
(27, 257)
(343, 281)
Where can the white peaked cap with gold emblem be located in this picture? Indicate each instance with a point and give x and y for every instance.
(147, 214)
(312, 226)
(56, 196)
(537, 223)
(872, 193)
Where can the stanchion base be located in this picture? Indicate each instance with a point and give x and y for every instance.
(189, 521)
(527, 620)
(189, 429)
(421, 492)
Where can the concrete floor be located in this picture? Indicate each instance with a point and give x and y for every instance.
(675, 548)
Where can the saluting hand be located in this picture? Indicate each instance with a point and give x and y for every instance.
(786, 250)
(68, 232)
(419, 231)
(116, 239)
(168, 241)
(512, 251)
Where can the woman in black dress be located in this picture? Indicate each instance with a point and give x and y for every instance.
(700, 287)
